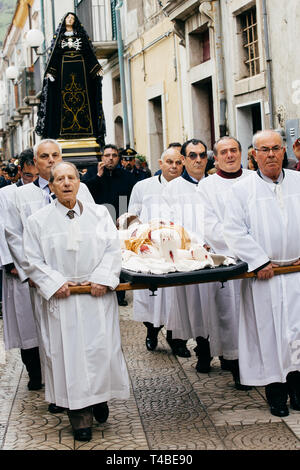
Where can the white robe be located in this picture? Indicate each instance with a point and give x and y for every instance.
(262, 223)
(189, 315)
(212, 194)
(24, 202)
(146, 203)
(80, 334)
(19, 330)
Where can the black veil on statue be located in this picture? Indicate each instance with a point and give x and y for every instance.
(71, 104)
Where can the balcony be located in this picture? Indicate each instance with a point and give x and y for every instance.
(99, 20)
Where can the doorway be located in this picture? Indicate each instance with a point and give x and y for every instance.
(248, 122)
(203, 112)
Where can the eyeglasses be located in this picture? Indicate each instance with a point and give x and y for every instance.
(194, 155)
(267, 150)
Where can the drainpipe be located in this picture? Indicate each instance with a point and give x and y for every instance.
(220, 69)
(53, 15)
(130, 104)
(43, 30)
(122, 74)
(268, 60)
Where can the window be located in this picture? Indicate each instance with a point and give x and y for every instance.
(248, 29)
(116, 83)
(199, 47)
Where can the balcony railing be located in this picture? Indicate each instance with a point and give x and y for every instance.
(99, 21)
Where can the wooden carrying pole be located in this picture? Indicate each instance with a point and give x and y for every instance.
(128, 286)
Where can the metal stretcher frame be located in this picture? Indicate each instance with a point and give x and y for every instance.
(154, 284)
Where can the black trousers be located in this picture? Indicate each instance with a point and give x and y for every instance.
(121, 295)
(31, 360)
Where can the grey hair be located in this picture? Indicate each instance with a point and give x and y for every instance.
(45, 141)
(226, 137)
(261, 133)
(51, 179)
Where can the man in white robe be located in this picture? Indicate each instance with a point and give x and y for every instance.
(189, 317)
(28, 199)
(146, 203)
(73, 243)
(19, 328)
(212, 195)
(262, 228)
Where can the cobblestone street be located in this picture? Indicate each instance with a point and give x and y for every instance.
(171, 407)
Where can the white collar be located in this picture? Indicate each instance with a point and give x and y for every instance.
(163, 180)
(64, 210)
(269, 180)
(43, 183)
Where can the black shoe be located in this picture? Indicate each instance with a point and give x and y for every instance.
(83, 434)
(239, 386)
(203, 366)
(178, 347)
(151, 343)
(293, 387)
(34, 384)
(202, 351)
(52, 408)
(279, 410)
(233, 367)
(101, 412)
(152, 333)
(277, 395)
(294, 400)
(224, 364)
(123, 303)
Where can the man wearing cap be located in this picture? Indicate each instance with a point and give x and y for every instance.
(296, 150)
(128, 163)
(112, 187)
(145, 202)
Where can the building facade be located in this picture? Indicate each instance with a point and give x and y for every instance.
(173, 70)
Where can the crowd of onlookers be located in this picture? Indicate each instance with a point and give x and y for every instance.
(136, 164)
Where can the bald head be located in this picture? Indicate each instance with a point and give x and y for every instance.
(268, 152)
(171, 163)
(47, 153)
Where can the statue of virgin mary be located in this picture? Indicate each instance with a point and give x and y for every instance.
(71, 99)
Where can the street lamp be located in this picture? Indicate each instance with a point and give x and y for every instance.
(35, 39)
(12, 73)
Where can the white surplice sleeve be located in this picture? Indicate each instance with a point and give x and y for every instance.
(84, 194)
(5, 255)
(48, 280)
(14, 238)
(136, 200)
(108, 269)
(237, 232)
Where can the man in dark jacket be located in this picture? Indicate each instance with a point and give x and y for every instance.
(128, 163)
(112, 187)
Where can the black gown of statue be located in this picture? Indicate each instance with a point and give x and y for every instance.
(71, 105)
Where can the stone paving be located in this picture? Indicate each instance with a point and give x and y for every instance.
(171, 407)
